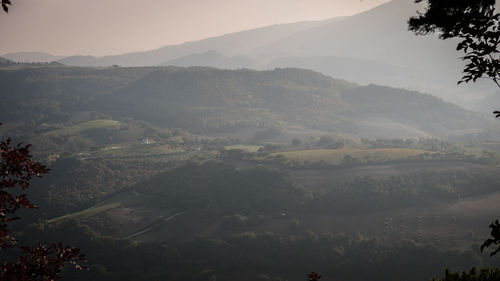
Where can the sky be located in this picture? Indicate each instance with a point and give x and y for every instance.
(106, 27)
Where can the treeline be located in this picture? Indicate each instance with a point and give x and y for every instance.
(73, 184)
(220, 188)
(370, 194)
(256, 256)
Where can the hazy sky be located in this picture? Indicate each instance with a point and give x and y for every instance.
(68, 27)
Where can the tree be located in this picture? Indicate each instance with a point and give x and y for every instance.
(5, 5)
(477, 25)
(43, 262)
(495, 240)
(483, 275)
(296, 142)
(313, 276)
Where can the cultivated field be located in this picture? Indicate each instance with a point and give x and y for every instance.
(141, 150)
(337, 156)
(81, 127)
(248, 148)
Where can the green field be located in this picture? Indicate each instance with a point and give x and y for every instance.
(249, 148)
(81, 127)
(124, 199)
(336, 156)
(139, 150)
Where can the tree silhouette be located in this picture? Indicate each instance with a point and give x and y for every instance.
(475, 23)
(313, 276)
(495, 240)
(5, 5)
(483, 275)
(43, 262)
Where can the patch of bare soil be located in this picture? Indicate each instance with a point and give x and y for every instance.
(120, 222)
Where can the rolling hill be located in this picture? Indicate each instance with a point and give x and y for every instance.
(208, 101)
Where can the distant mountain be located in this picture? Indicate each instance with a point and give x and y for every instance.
(81, 61)
(378, 36)
(213, 59)
(32, 57)
(364, 71)
(233, 44)
(371, 47)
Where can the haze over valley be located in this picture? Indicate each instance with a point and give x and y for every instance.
(341, 146)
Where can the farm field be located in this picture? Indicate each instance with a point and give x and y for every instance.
(337, 156)
(141, 150)
(118, 201)
(81, 127)
(248, 148)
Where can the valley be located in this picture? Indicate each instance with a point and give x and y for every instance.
(257, 168)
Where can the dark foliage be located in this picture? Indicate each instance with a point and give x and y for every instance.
(313, 276)
(39, 263)
(16, 170)
(495, 234)
(5, 5)
(243, 256)
(475, 23)
(484, 275)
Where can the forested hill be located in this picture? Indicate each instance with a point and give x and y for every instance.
(208, 100)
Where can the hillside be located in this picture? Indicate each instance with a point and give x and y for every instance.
(204, 99)
(394, 112)
(207, 100)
